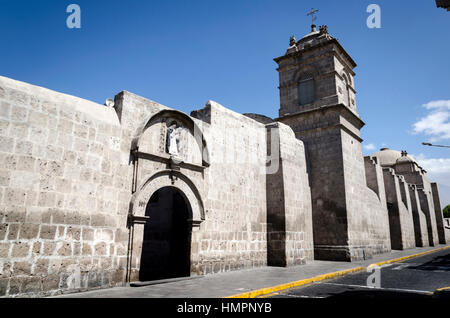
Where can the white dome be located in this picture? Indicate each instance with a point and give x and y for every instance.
(388, 157)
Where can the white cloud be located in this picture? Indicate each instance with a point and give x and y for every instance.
(434, 165)
(437, 104)
(435, 125)
(370, 147)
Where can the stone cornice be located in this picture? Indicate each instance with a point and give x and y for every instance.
(167, 160)
(323, 44)
(347, 113)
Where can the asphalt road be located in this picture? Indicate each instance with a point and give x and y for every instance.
(415, 278)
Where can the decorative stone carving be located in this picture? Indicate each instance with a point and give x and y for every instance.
(323, 29)
(163, 135)
(292, 45)
(292, 41)
(173, 139)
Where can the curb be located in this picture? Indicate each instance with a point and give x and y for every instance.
(443, 292)
(270, 290)
(395, 260)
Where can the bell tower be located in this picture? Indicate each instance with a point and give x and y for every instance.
(317, 100)
(315, 72)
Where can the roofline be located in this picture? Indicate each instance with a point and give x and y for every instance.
(332, 41)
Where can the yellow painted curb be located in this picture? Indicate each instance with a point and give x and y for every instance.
(442, 289)
(408, 257)
(269, 290)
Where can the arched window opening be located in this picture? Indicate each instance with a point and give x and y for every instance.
(306, 90)
(345, 91)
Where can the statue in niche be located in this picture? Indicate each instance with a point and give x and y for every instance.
(323, 29)
(173, 139)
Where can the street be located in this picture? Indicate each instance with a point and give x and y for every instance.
(415, 278)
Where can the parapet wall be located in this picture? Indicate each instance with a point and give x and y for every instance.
(438, 213)
(447, 229)
(73, 171)
(65, 192)
(289, 217)
(400, 218)
(419, 218)
(376, 203)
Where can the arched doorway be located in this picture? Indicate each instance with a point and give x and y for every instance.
(166, 245)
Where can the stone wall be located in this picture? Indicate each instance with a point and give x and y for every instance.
(419, 218)
(367, 217)
(428, 198)
(325, 170)
(447, 229)
(438, 213)
(400, 218)
(231, 187)
(289, 218)
(75, 175)
(63, 190)
(430, 217)
(378, 217)
(374, 178)
(234, 233)
(349, 220)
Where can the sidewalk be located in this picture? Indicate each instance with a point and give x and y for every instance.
(238, 282)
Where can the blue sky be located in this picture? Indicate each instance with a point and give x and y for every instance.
(183, 53)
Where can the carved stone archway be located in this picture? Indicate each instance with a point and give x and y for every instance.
(169, 178)
(162, 179)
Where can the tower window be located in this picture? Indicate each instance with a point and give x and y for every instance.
(306, 90)
(346, 94)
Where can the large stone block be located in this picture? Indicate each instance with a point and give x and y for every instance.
(20, 250)
(4, 250)
(29, 231)
(22, 269)
(48, 232)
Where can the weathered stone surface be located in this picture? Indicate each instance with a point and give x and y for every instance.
(4, 250)
(22, 268)
(41, 267)
(3, 229)
(20, 249)
(3, 286)
(50, 282)
(48, 232)
(29, 231)
(438, 213)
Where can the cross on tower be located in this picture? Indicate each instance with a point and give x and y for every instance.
(311, 13)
